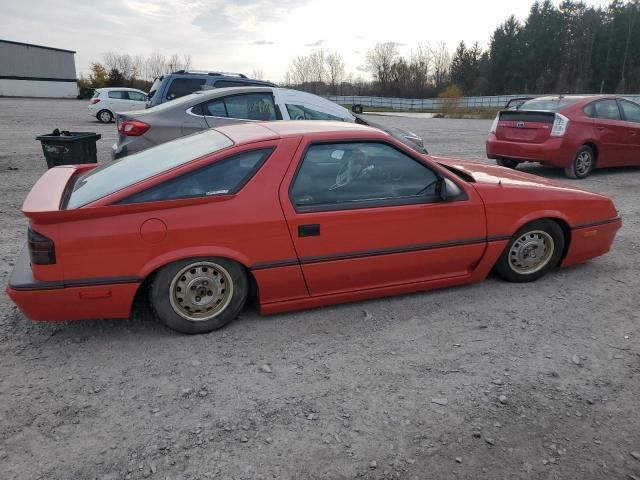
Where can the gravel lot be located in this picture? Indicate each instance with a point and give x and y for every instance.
(492, 381)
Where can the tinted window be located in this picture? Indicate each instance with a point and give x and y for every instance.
(607, 109)
(118, 94)
(551, 105)
(137, 96)
(348, 175)
(229, 83)
(631, 111)
(184, 86)
(251, 106)
(216, 109)
(300, 112)
(220, 178)
(116, 175)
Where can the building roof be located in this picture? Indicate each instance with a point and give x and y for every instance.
(36, 46)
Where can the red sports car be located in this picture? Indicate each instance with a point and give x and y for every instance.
(296, 214)
(577, 133)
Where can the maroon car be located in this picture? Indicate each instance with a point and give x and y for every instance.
(577, 133)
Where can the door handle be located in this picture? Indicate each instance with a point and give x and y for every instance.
(312, 230)
(600, 128)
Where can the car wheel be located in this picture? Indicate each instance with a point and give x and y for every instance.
(583, 163)
(534, 250)
(198, 295)
(105, 116)
(508, 163)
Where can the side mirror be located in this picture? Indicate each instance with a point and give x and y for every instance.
(441, 189)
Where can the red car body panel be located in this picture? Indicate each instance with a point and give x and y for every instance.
(616, 142)
(105, 251)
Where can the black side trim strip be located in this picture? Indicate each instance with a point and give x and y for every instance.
(37, 79)
(276, 264)
(595, 224)
(88, 282)
(387, 251)
(498, 238)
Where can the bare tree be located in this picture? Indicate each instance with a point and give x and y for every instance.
(174, 63)
(420, 68)
(300, 70)
(379, 61)
(257, 74)
(156, 65)
(317, 67)
(441, 64)
(335, 71)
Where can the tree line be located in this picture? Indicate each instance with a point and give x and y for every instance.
(571, 48)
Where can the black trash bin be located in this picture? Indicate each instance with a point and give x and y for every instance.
(69, 148)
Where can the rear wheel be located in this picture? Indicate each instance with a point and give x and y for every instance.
(533, 251)
(105, 116)
(199, 295)
(507, 162)
(582, 164)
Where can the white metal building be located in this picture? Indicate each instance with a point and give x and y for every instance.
(35, 71)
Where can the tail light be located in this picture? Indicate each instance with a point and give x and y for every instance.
(94, 101)
(41, 249)
(494, 125)
(559, 127)
(132, 128)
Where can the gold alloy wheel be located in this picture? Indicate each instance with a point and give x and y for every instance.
(201, 291)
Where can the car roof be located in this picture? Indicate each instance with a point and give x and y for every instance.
(111, 89)
(260, 131)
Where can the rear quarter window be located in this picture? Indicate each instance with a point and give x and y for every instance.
(184, 86)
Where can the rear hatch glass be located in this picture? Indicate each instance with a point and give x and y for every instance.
(548, 104)
(122, 173)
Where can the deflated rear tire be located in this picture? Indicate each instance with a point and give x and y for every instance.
(508, 163)
(582, 164)
(198, 295)
(533, 251)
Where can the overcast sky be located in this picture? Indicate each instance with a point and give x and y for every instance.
(243, 35)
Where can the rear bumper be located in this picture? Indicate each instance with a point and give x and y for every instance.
(554, 151)
(591, 240)
(69, 300)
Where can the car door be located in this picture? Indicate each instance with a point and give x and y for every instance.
(610, 131)
(259, 106)
(118, 101)
(136, 100)
(631, 114)
(367, 215)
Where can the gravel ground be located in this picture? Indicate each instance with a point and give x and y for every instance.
(494, 380)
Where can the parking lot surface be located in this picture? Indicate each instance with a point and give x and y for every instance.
(493, 380)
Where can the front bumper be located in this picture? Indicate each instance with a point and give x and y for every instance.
(68, 300)
(591, 240)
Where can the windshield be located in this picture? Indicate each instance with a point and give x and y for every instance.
(114, 176)
(548, 104)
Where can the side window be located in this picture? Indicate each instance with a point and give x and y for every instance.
(300, 112)
(364, 174)
(215, 108)
(252, 106)
(223, 177)
(229, 83)
(631, 111)
(184, 86)
(137, 96)
(118, 95)
(607, 109)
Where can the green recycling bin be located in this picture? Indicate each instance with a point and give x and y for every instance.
(69, 148)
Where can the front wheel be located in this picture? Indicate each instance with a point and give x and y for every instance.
(508, 163)
(198, 295)
(533, 251)
(582, 164)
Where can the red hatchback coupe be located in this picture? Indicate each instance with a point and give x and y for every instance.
(296, 214)
(577, 133)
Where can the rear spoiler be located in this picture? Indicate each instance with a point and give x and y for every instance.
(541, 116)
(44, 201)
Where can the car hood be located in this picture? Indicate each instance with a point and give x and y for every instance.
(484, 173)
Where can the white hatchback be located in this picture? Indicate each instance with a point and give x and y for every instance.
(106, 102)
